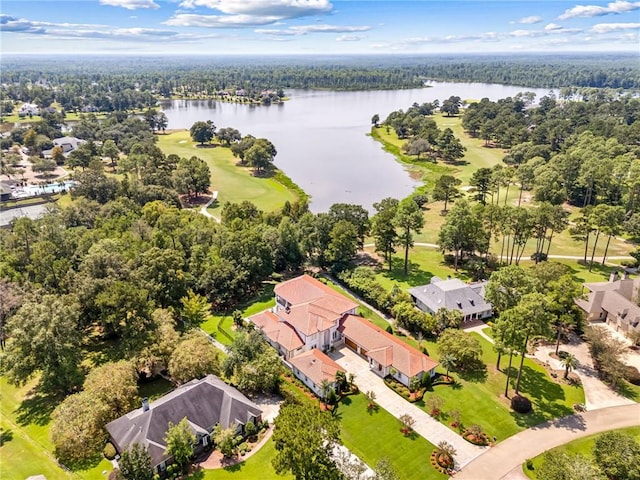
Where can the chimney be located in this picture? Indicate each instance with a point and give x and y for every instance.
(145, 404)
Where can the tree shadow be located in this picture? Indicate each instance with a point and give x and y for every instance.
(538, 386)
(5, 436)
(416, 275)
(476, 373)
(37, 407)
(625, 389)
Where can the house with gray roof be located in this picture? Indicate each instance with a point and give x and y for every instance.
(453, 294)
(614, 303)
(68, 145)
(205, 403)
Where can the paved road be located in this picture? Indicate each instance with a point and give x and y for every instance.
(386, 398)
(503, 459)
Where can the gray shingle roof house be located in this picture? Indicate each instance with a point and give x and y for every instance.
(452, 294)
(206, 403)
(613, 302)
(68, 145)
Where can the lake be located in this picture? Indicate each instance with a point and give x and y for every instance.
(321, 136)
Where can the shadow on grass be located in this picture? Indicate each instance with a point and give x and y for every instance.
(476, 373)
(36, 408)
(416, 275)
(5, 436)
(626, 390)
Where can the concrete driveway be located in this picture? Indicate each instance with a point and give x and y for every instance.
(503, 460)
(397, 406)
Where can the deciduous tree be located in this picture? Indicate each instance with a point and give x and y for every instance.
(202, 131)
(135, 464)
(180, 441)
(194, 357)
(304, 438)
(409, 220)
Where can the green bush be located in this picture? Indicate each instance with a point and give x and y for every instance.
(521, 404)
(109, 451)
(631, 374)
(529, 464)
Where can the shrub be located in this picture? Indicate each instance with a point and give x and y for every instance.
(631, 374)
(563, 354)
(109, 451)
(529, 464)
(521, 404)
(389, 329)
(250, 429)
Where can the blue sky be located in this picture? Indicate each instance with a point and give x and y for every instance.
(216, 27)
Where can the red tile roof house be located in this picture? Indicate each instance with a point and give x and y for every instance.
(310, 315)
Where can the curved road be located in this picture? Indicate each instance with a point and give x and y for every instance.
(497, 462)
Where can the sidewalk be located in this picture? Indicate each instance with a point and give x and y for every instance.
(425, 426)
(505, 457)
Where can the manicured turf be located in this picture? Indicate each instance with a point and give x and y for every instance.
(28, 449)
(480, 397)
(583, 446)
(220, 326)
(233, 183)
(374, 435)
(258, 466)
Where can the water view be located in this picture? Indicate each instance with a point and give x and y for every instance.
(321, 136)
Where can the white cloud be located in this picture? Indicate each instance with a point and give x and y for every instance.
(89, 31)
(218, 21)
(613, 27)
(613, 8)
(130, 4)
(305, 29)
(245, 13)
(349, 38)
(530, 20)
(552, 26)
(267, 8)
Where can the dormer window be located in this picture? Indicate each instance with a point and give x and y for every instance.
(459, 304)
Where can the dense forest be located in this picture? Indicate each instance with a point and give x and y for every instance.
(134, 83)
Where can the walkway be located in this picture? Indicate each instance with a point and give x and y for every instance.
(386, 398)
(505, 457)
(203, 210)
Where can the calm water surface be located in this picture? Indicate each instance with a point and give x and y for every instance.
(321, 136)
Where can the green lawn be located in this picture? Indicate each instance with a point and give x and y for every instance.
(233, 183)
(480, 397)
(28, 449)
(583, 446)
(374, 435)
(258, 466)
(220, 326)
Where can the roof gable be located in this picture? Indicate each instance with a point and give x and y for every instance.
(205, 403)
(316, 365)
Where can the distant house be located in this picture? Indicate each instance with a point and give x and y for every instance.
(613, 302)
(309, 315)
(205, 403)
(314, 367)
(28, 109)
(453, 294)
(68, 145)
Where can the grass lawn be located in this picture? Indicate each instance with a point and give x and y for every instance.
(220, 326)
(583, 446)
(374, 435)
(28, 449)
(258, 466)
(480, 400)
(234, 184)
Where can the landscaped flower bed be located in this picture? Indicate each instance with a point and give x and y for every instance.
(477, 439)
(442, 462)
(440, 379)
(403, 391)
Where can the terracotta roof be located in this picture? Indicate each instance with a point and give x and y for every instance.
(306, 289)
(280, 332)
(384, 347)
(313, 307)
(316, 366)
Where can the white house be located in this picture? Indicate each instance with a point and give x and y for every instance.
(309, 316)
(314, 367)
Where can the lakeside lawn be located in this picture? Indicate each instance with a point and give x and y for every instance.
(425, 262)
(27, 448)
(233, 183)
(583, 446)
(375, 434)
